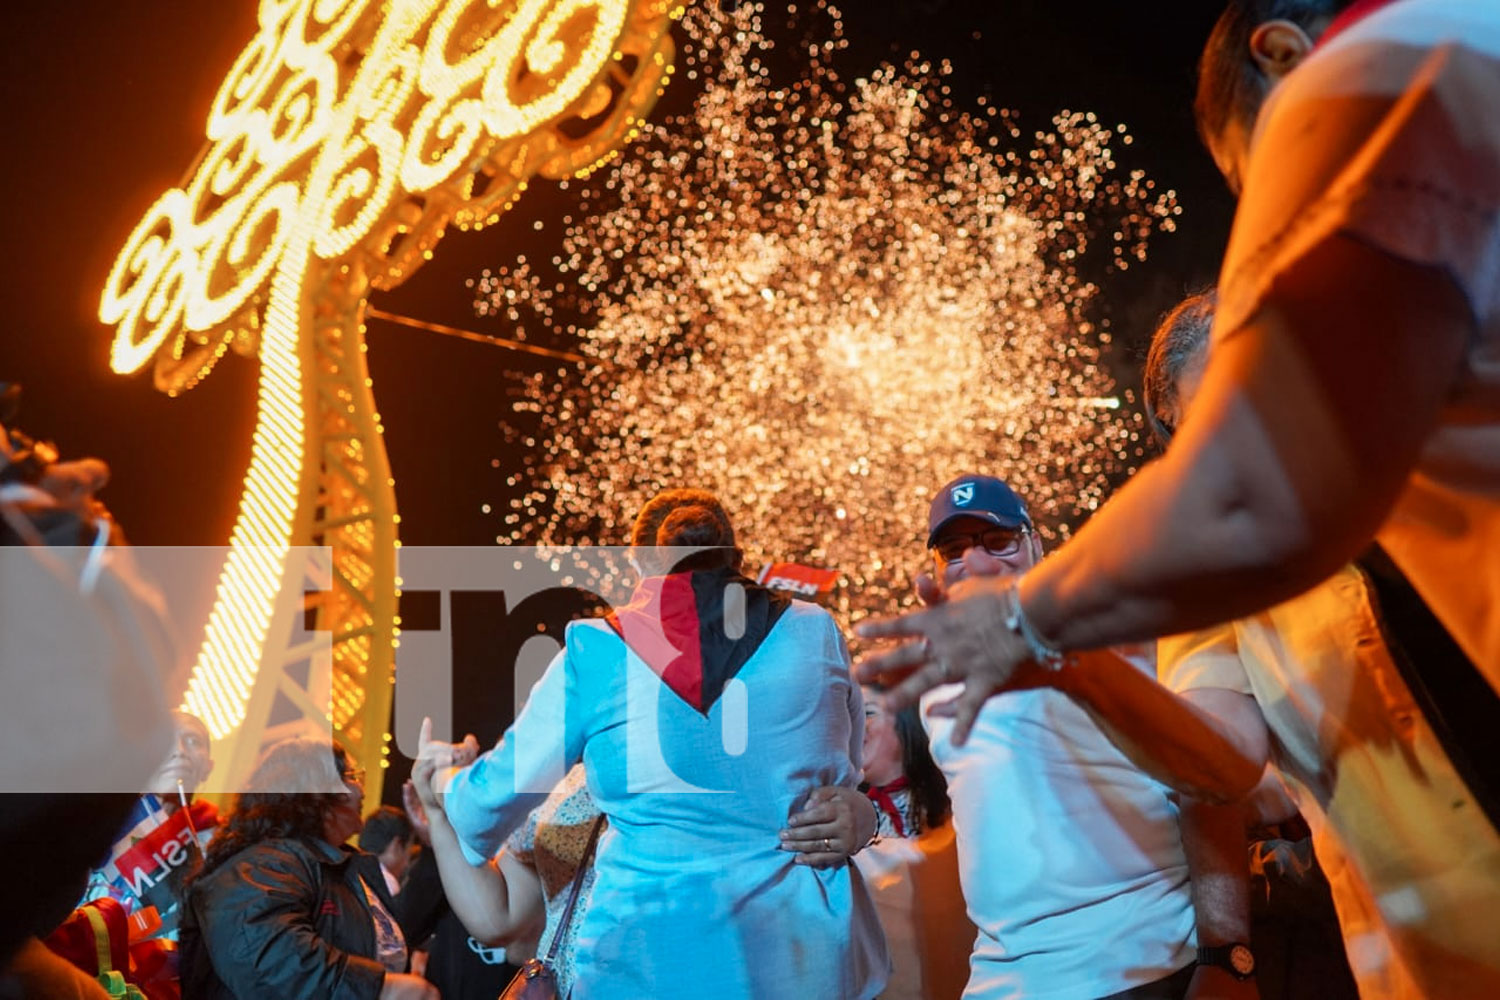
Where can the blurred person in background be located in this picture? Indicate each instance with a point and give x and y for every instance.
(912, 867)
(165, 835)
(388, 835)
(282, 907)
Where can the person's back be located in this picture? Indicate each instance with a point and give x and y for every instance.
(695, 801)
(704, 711)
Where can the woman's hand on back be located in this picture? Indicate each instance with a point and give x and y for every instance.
(834, 824)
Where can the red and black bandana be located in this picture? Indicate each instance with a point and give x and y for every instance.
(697, 629)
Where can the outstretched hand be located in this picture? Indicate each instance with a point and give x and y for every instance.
(960, 637)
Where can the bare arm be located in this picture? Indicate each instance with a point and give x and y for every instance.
(1209, 743)
(1308, 423)
(497, 901)
(1213, 839)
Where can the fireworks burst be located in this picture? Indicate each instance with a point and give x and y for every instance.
(822, 301)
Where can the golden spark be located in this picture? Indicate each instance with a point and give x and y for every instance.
(822, 301)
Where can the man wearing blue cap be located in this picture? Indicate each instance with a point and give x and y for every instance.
(1070, 857)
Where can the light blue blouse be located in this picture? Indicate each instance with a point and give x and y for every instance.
(694, 897)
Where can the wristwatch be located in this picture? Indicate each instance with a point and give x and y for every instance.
(1235, 958)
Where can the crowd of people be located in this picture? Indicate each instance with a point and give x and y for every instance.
(1234, 739)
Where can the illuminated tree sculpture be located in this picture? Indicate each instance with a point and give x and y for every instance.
(345, 139)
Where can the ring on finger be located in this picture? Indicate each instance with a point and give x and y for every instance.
(827, 845)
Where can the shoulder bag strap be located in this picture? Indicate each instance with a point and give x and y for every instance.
(1457, 701)
(583, 869)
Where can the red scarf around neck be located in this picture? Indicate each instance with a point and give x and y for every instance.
(881, 796)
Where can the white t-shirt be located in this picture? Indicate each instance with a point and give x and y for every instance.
(392, 883)
(1421, 182)
(1070, 857)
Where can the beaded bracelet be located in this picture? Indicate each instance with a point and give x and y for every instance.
(1043, 652)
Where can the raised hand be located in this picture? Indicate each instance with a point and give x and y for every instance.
(435, 761)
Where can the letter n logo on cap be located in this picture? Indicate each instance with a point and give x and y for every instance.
(963, 495)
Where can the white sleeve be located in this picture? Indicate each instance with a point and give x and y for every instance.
(855, 702)
(492, 797)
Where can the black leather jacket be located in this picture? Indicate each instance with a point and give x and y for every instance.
(284, 919)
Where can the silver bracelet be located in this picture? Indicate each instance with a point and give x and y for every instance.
(1043, 652)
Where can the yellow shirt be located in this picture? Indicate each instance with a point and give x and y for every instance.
(1413, 862)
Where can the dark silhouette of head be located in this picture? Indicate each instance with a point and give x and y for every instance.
(1179, 348)
(1252, 47)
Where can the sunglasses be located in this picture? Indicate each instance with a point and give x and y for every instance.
(996, 541)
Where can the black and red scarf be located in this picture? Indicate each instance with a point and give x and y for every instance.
(697, 629)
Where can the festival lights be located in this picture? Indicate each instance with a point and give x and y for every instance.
(343, 141)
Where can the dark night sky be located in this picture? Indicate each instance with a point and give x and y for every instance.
(104, 108)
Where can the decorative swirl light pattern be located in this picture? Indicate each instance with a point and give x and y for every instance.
(345, 138)
(440, 87)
